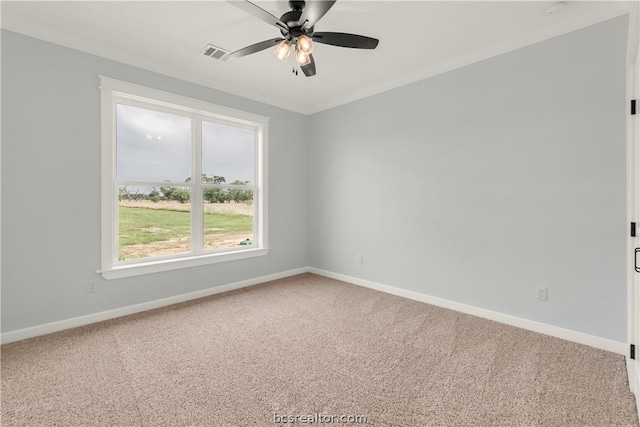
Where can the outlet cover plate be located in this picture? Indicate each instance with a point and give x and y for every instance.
(541, 293)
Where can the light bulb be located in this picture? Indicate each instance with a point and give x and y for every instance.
(283, 50)
(305, 44)
(302, 58)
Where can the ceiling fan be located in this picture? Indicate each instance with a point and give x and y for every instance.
(297, 29)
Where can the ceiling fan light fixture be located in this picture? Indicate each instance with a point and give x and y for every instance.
(297, 29)
(305, 44)
(302, 58)
(283, 50)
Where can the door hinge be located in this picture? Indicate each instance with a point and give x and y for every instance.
(633, 107)
(633, 229)
(632, 351)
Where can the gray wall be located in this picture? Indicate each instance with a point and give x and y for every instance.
(481, 183)
(51, 188)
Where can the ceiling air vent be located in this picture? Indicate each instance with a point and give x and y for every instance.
(216, 53)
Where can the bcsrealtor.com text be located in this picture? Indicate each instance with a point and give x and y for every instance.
(318, 418)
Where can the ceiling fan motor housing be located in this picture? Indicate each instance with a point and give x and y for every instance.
(296, 4)
(292, 20)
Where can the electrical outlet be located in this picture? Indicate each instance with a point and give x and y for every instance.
(91, 288)
(541, 293)
(360, 259)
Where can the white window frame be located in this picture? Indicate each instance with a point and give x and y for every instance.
(114, 92)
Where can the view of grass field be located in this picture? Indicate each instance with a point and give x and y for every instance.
(148, 229)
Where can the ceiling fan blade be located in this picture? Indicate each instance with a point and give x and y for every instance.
(260, 13)
(346, 40)
(313, 11)
(309, 69)
(255, 48)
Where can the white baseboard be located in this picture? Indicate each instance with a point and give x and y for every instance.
(74, 322)
(531, 325)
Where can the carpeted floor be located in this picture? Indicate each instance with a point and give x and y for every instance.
(306, 345)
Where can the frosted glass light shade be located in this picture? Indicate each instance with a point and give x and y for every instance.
(283, 50)
(305, 44)
(302, 58)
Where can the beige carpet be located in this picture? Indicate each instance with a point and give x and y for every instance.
(307, 345)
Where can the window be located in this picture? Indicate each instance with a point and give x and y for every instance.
(183, 182)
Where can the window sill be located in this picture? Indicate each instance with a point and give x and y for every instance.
(137, 269)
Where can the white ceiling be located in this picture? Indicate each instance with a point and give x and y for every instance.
(417, 39)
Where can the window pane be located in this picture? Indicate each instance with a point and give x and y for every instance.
(153, 221)
(152, 146)
(227, 154)
(228, 218)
